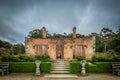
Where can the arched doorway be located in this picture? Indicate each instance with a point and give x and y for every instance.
(59, 51)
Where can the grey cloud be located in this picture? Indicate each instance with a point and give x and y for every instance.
(18, 17)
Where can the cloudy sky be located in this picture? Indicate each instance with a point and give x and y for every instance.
(18, 17)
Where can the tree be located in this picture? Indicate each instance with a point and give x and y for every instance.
(114, 41)
(5, 47)
(18, 49)
(105, 34)
(36, 33)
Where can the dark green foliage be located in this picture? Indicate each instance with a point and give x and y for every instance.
(80, 58)
(38, 56)
(75, 67)
(5, 44)
(24, 58)
(104, 57)
(18, 49)
(7, 48)
(105, 67)
(36, 33)
(26, 67)
(45, 67)
(97, 67)
(91, 68)
(44, 57)
(114, 43)
(117, 58)
(21, 66)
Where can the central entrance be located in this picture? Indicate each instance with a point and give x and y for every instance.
(59, 51)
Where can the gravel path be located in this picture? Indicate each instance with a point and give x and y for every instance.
(31, 76)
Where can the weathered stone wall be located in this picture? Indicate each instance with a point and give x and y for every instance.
(69, 46)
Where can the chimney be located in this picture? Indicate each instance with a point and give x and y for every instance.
(43, 32)
(74, 32)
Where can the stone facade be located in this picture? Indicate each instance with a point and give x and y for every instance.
(61, 48)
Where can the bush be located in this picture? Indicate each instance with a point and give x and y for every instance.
(25, 67)
(75, 67)
(21, 66)
(25, 58)
(105, 67)
(104, 57)
(46, 67)
(80, 58)
(46, 57)
(97, 67)
(91, 68)
(117, 58)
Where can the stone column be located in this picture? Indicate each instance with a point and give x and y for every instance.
(43, 32)
(83, 63)
(74, 32)
(94, 44)
(37, 62)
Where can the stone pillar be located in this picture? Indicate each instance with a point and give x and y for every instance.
(94, 44)
(83, 63)
(74, 32)
(43, 32)
(37, 62)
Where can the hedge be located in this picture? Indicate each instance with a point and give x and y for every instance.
(46, 67)
(24, 58)
(27, 67)
(91, 68)
(97, 67)
(104, 67)
(75, 67)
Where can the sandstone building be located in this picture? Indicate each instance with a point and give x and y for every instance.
(61, 48)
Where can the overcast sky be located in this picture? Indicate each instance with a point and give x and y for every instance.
(18, 17)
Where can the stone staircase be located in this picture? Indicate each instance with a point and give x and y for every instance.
(60, 70)
(60, 67)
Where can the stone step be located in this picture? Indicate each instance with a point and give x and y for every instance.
(61, 76)
(60, 69)
(59, 72)
(59, 66)
(60, 63)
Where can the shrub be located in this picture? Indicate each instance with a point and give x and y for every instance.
(45, 57)
(24, 58)
(13, 58)
(80, 58)
(75, 67)
(117, 58)
(32, 58)
(105, 67)
(104, 57)
(91, 68)
(5, 58)
(38, 56)
(98, 67)
(20, 67)
(46, 67)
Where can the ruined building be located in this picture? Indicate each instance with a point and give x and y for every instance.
(61, 48)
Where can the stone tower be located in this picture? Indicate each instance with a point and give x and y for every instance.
(74, 32)
(43, 32)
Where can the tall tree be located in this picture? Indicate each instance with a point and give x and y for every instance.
(114, 41)
(105, 34)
